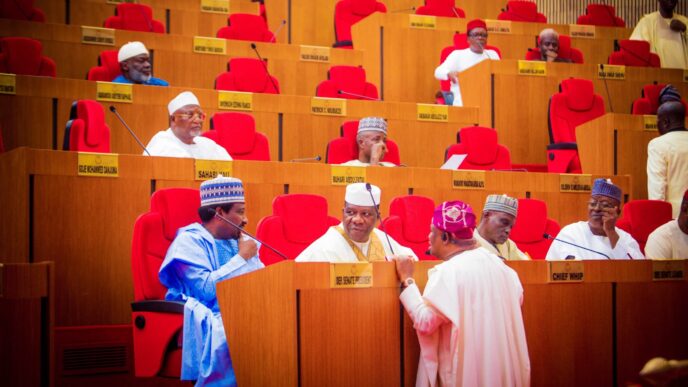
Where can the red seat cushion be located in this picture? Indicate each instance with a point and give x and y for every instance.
(350, 12)
(408, 220)
(21, 10)
(640, 217)
(350, 79)
(634, 53)
(108, 68)
(523, 11)
(242, 26)
(601, 15)
(24, 56)
(531, 225)
(134, 17)
(236, 132)
(248, 75)
(444, 8)
(88, 131)
(576, 104)
(482, 151)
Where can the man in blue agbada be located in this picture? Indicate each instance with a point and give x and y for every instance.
(200, 256)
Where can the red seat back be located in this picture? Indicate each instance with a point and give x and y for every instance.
(481, 148)
(243, 26)
(88, 132)
(24, 56)
(350, 12)
(349, 79)
(634, 53)
(409, 223)
(21, 10)
(522, 11)
(297, 220)
(249, 75)
(641, 217)
(576, 104)
(236, 132)
(649, 101)
(107, 69)
(601, 15)
(134, 17)
(531, 225)
(445, 8)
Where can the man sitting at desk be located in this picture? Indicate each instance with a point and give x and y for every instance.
(549, 47)
(134, 62)
(372, 143)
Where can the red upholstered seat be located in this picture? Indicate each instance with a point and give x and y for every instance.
(297, 220)
(107, 69)
(460, 43)
(243, 26)
(236, 132)
(87, 131)
(522, 11)
(601, 15)
(348, 79)
(249, 75)
(24, 56)
(21, 10)
(348, 13)
(648, 103)
(134, 17)
(641, 217)
(634, 53)
(565, 51)
(445, 8)
(482, 151)
(531, 224)
(345, 148)
(156, 322)
(408, 223)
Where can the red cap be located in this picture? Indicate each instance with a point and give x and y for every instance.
(475, 23)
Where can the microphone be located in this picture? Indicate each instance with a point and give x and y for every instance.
(241, 230)
(547, 236)
(609, 97)
(306, 159)
(265, 66)
(404, 10)
(112, 109)
(369, 188)
(277, 31)
(359, 96)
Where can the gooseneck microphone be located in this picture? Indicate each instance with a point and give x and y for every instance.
(403, 10)
(547, 236)
(265, 66)
(360, 96)
(306, 159)
(112, 109)
(369, 188)
(609, 98)
(241, 230)
(277, 31)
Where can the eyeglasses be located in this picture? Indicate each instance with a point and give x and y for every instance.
(478, 35)
(189, 116)
(602, 205)
(350, 213)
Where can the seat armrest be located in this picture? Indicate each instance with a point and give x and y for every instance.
(161, 306)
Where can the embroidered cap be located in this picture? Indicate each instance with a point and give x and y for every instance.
(475, 23)
(669, 93)
(358, 195)
(222, 190)
(374, 124)
(455, 217)
(131, 50)
(605, 187)
(501, 203)
(184, 98)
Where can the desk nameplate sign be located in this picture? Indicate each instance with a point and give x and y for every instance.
(351, 275)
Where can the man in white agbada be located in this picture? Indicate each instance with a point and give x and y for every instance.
(462, 60)
(666, 32)
(372, 143)
(183, 137)
(670, 240)
(356, 239)
(468, 320)
(599, 235)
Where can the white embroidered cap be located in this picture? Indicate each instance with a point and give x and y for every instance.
(131, 50)
(184, 98)
(358, 195)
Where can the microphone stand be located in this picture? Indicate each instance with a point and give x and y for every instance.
(369, 188)
(547, 236)
(265, 66)
(114, 110)
(241, 230)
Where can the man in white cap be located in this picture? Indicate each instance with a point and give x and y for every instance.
(201, 255)
(134, 62)
(356, 239)
(183, 137)
(598, 238)
(499, 216)
(371, 139)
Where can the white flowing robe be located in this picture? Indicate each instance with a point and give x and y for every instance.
(166, 144)
(580, 234)
(461, 60)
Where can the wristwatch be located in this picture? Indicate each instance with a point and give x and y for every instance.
(408, 282)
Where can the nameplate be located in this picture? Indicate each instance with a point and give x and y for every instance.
(582, 31)
(668, 269)
(532, 68)
(575, 183)
(351, 275)
(423, 21)
(114, 92)
(685, 76)
(235, 100)
(498, 26)
(98, 164)
(345, 175)
(432, 112)
(328, 106)
(8, 83)
(314, 54)
(465, 179)
(565, 271)
(650, 122)
(209, 169)
(215, 6)
(205, 45)
(613, 72)
(97, 35)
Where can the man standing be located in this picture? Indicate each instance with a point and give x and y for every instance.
(356, 239)
(667, 156)
(134, 62)
(468, 320)
(200, 256)
(462, 60)
(670, 240)
(183, 137)
(599, 236)
(499, 216)
(372, 143)
(666, 33)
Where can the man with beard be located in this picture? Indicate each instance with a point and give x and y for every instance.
(665, 30)
(183, 137)
(499, 216)
(599, 233)
(134, 62)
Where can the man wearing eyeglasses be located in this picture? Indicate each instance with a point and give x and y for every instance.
(598, 238)
(183, 137)
(462, 60)
(356, 239)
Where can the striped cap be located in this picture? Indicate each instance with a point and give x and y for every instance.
(605, 187)
(456, 218)
(501, 203)
(222, 190)
(376, 124)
